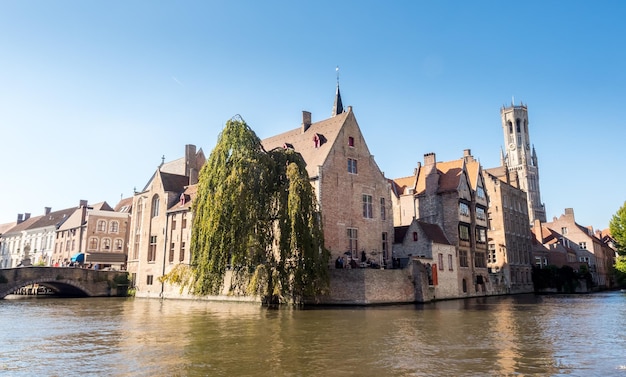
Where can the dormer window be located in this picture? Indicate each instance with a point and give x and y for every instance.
(182, 199)
(288, 146)
(415, 236)
(351, 141)
(316, 141)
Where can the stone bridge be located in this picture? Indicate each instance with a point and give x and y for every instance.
(65, 281)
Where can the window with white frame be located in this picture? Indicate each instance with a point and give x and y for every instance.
(101, 226)
(582, 245)
(114, 227)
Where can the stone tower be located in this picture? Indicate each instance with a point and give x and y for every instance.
(520, 158)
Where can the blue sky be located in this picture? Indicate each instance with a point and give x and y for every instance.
(93, 93)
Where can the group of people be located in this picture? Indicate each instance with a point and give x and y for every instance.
(341, 263)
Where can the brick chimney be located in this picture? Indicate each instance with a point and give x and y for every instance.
(306, 120)
(82, 203)
(20, 218)
(430, 173)
(47, 210)
(26, 216)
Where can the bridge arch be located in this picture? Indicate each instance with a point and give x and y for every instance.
(64, 287)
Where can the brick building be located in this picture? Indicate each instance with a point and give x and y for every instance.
(352, 193)
(161, 222)
(451, 195)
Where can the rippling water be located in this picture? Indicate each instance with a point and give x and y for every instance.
(525, 335)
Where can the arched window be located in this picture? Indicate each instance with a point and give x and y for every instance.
(119, 244)
(510, 127)
(155, 206)
(93, 243)
(517, 125)
(102, 226)
(106, 244)
(464, 286)
(114, 227)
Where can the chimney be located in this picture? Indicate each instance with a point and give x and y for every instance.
(26, 216)
(190, 159)
(306, 120)
(46, 210)
(430, 173)
(467, 152)
(82, 203)
(20, 218)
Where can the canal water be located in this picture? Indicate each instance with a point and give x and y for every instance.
(526, 335)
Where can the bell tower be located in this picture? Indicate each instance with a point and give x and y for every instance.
(521, 158)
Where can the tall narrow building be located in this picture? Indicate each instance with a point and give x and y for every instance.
(521, 158)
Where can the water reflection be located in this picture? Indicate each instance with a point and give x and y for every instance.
(519, 335)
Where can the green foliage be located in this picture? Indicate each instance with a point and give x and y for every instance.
(255, 213)
(121, 279)
(620, 266)
(564, 279)
(41, 263)
(617, 226)
(180, 275)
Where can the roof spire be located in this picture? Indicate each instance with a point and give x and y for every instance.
(337, 106)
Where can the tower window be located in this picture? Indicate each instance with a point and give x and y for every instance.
(510, 127)
(517, 125)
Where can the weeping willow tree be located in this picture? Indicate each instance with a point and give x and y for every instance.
(255, 214)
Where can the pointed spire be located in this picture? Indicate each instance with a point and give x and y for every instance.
(338, 105)
(502, 161)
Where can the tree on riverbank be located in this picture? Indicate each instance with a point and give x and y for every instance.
(617, 226)
(256, 214)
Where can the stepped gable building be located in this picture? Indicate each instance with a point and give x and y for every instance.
(160, 224)
(352, 192)
(520, 158)
(451, 195)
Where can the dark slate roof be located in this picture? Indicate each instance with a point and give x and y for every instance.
(125, 204)
(434, 233)
(189, 195)
(174, 182)
(399, 233)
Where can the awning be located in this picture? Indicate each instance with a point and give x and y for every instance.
(80, 258)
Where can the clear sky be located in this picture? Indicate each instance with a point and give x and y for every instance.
(93, 93)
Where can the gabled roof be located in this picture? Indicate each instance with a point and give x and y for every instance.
(473, 172)
(55, 218)
(399, 233)
(102, 206)
(24, 225)
(450, 175)
(399, 185)
(326, 131)
(174, 182)
(124, 205)
(6, 227)
(434, 233)
(189, 195)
